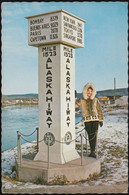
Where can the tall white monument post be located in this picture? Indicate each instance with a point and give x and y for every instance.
(56, 34)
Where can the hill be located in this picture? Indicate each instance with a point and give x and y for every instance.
(15, 96)
(109, 92)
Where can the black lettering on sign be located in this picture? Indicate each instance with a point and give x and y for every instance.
(35, 33)
(49, 92)
(67, 67)
(47, 25)
(66, 18)
(68, 73)
(49, 119)
(79, 40)
(68, 85)
(71, 37)
(79, 30)
(37, 38)
(79, 35)
(49, 60)
(53, 18)
(68, 92)
(67, 99)
(49, 124)
(67, 50)
(68, 124)
(45, 54)
(34, 28)
(48, 66)
(50, 53)
(46, 49)
(54, 53)
(54, 30)
(49, 73)
(72, 26)
(68, 118)
(68, 31)
(54, 36)
(49, 112)
(72, 21)
(49, 79)
(68, 79)
(49, 106)
(67, 112)
(36, 21)
(66, 54)
(48, 99)
(54, 24)
(79, 24)
(48, 85)
(68, 61)
(54, 47)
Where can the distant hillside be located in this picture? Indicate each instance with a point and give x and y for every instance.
(109, 92)
(31, 95)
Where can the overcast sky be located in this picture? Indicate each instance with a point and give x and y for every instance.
(103, 57)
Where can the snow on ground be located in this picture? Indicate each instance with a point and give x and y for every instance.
(122, 101)
(112, 151)
(112, 148)
(8, 158)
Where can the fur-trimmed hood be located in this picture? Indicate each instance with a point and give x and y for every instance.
(85, 91)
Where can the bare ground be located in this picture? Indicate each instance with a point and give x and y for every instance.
(81, 189)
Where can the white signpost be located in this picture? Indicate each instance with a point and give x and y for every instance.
(56, 34)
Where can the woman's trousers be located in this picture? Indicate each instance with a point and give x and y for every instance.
(92, 129)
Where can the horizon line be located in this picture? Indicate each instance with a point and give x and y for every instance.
(75, 89)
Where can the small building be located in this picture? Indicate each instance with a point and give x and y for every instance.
(112, 98)
(19, 101)
(104, 100)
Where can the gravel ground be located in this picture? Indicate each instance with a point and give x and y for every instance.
(100, 189)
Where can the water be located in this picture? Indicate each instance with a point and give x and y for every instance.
(18, 118)
(23, 119)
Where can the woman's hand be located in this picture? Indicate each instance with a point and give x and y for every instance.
(101, 124)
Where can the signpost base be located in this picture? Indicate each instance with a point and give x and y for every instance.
(55, 157)
(72, 171)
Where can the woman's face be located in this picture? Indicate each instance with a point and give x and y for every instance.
(89, 92)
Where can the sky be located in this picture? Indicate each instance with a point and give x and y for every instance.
(103, 58)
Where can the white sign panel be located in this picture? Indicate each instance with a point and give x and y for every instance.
(56, 27)
(72, 30)
(57, 102)
(44, 29)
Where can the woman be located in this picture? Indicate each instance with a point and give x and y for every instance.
(92, 114)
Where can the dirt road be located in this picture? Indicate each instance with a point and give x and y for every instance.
(100, 189)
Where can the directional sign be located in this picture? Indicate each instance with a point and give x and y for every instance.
(56, 27)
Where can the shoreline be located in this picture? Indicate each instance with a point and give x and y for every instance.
(24, 104)
(35, 104)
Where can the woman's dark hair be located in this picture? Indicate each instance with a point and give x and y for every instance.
(90, 88)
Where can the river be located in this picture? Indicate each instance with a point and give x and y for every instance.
(20, 118)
